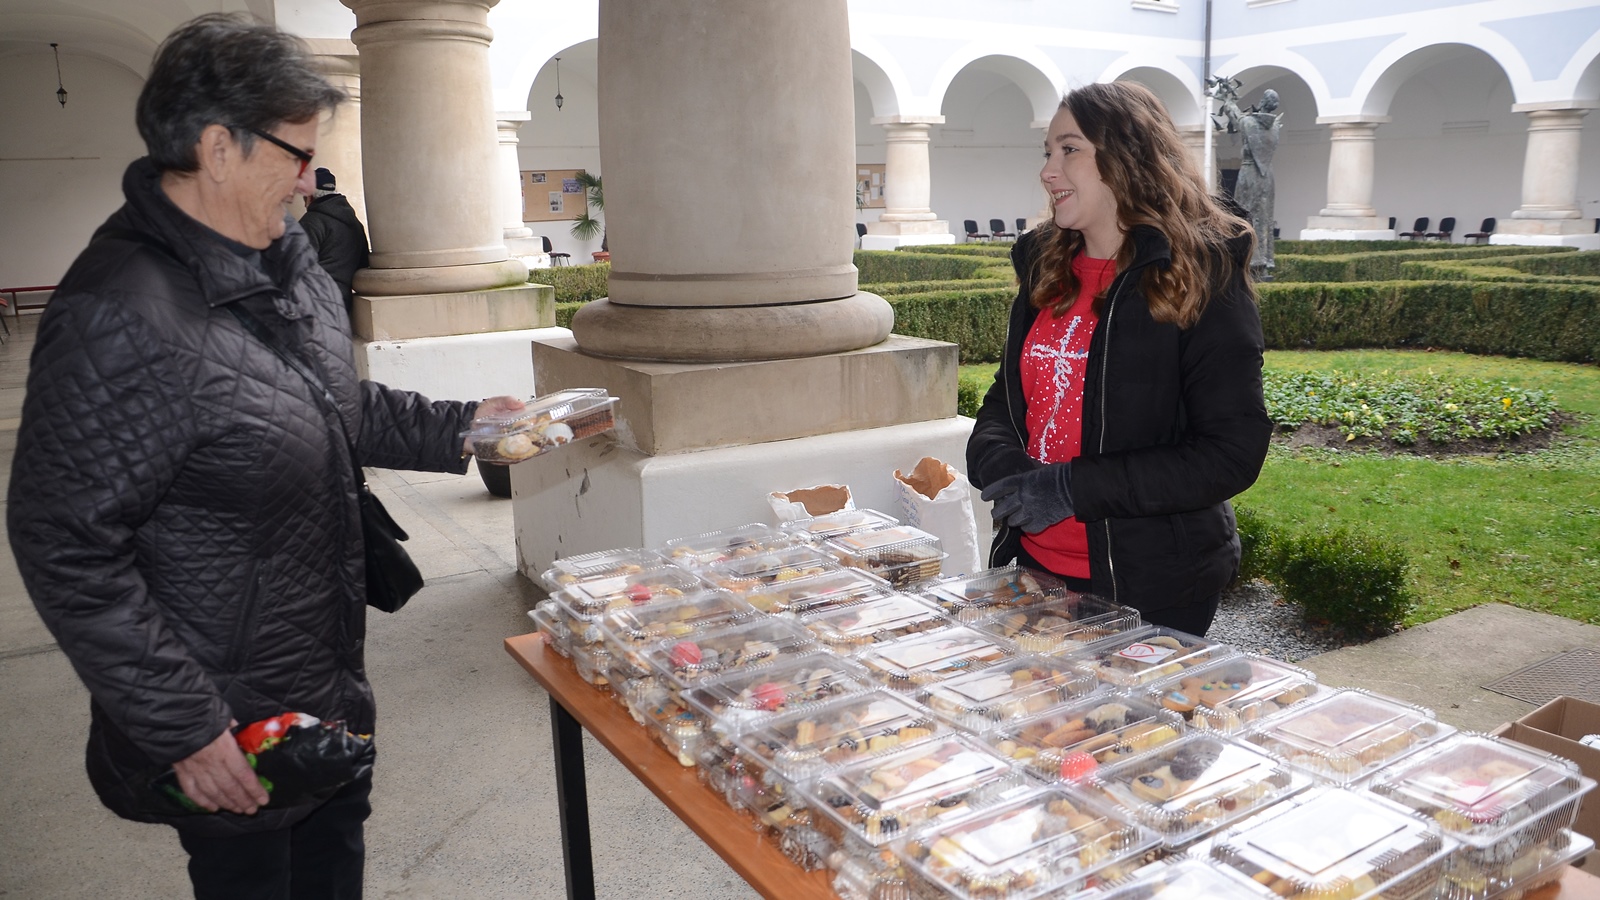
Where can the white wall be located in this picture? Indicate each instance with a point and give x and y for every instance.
(60, 169)
(985, 159)
(568, 138)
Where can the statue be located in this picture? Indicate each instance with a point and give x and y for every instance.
(1258, 126)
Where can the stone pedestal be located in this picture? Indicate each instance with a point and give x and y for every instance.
(339, 134)
(509, 174)
(908, 218)
(460, 367)
(1351, 167)
(1550, 213)
(1194, 138)
(1346, 234)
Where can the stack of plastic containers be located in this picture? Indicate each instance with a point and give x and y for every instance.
(1229, 695)
(628, 632)
(746, 574)
(1345, 736)
(713, 547)
(848, 627)
(817, 529)
(912, 663)
(1185, 879)
(1071, 741)
(979, 596)
(1007, 692)
(900, 554)
(1057, 626)
(610, 584)
(817, 592)
(1140, 658)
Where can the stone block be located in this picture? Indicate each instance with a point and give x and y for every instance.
(404, 316)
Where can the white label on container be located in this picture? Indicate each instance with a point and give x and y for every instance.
(1145, 653)
(980, 689)
(927, 653)
(601, 588)
(1331, 838)
(963, 766)
(999, 841)
(881, 711)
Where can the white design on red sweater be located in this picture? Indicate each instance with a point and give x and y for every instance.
(1065, 366)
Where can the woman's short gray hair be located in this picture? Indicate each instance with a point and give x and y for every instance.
(223, 69)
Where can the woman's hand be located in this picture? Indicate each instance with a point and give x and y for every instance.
(493, 406)
(1033, 500)
(217, 776)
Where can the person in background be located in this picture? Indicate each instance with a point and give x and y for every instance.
(1128, 408)
(183, 503)
(335, 233)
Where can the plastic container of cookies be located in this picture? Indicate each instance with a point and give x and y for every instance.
(1541, 868)
(1195, 786)
(1185, 878)
(1008, 691)
(1232, 694)
(1147, 655)
(630, 631)
(580, 606)
(971, 598)
(554, 629)
(1044, 841)
(818, 592)
(900, 555)
(685, 662)
(752, 573)
(544, 424)
(703, 550)
(571, 570)
(1502, 801)
(870, 803)
(848, 627)
(1344, 736)
(1072, 622)
(1330, 842)
(1069, 742)
(817, 529)
(913, 662)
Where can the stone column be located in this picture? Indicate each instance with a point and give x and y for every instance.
(1351, 166)
(728, 147)
(908, 216)
(1549, 211)
(510, 174)
(339, 135)
(428, 133)
(1194, 139)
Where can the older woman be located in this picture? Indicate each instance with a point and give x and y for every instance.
(183, 501)
(1128, 408)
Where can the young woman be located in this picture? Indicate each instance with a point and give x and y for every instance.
(1128, 408)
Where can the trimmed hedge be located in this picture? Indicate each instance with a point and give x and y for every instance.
(899, 288)
(1354, 582)
(1497, 269)
(1001, 250)
(880, 266)
(1338, 248)
(1379, 266)
(1585, 263)
(565, 312)
(575, 284)
(973, 319)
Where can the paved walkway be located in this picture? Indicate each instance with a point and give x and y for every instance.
(465, 795)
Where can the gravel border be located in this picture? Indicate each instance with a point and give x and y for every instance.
(1256, 619)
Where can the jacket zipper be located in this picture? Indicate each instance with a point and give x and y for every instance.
(1105, 357)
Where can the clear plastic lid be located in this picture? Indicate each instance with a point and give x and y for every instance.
(632, 630)
(1487, 792)
(975, 596)
(763, 642)
(807, 595)
(838, 733)
(1329, 842)
(754, 572)
(1195, 785)
(834, 524)
(1043, 841)
(594, 596)
(727, 544)
(565, 572)
(1148, 655)
(545, 423)
(1008, 691)
(735, 701)
(1068, 623)
(1231, 694)
(1185, 878)
(1546, 864)
(901, 554)
(920, 659)
(551, 626)
(881, 799)
(1345, 735)
(1070, 742)
(848, 627)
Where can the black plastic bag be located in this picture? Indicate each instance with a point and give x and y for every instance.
(298, 758)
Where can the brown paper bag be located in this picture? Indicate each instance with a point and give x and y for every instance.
(938, 499)
(804, 503)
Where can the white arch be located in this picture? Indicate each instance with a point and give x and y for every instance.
(1394, 66)
(526, 39)
(879, 73)
(1028, 68)
(1179, 90)
(1580, 80)
(104, 38)
(1287, 62)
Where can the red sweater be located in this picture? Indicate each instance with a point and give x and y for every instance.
(1053, 358)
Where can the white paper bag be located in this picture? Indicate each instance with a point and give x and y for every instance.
(937, 499)
(803, 503)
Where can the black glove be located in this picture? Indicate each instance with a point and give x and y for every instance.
(1033, 501)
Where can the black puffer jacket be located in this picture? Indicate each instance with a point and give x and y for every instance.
(338, 238)
(1173, 425)
(182, 508)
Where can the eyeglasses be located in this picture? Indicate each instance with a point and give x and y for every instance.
(296, 152)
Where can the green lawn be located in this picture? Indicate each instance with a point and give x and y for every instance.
(1522, 529)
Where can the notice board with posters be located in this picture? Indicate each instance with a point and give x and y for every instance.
(552, 195)
(869, 186)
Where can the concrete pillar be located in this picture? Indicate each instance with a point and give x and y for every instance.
(1194, 140)
(430, 153)
(907, 186)
(1352, 163)
(728, 145)
(1550, 213)
(510, 174)
(339, 134)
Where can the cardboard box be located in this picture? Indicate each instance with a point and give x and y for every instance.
(1555, 728)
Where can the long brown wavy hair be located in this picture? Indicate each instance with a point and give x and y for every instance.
(1149, 171)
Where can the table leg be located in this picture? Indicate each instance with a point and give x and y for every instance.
(572, 798)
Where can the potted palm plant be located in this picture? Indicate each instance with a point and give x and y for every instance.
(585, 225)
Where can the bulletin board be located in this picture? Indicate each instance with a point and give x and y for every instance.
(552, 195)
(869, 185)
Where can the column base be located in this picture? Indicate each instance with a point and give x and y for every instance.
(440, 279)
(871, 241)
(1346, 234)
(458, 367)
(732, 333)
(1544, 225)
(609, 496)
(1589, 241)
(680, 407)
(1347, 223)
(462, 312)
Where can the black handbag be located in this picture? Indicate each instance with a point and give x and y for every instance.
(392, 578)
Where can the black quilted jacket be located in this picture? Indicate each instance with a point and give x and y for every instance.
(1174, 424)
(183, 509)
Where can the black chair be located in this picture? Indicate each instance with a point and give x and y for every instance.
(861, 229)
(997, 229)
(1481, 236)
(556, 259)
(1447, 227)
(1022, 225)
(1419, 230)
(973, 234)
(1391, 223)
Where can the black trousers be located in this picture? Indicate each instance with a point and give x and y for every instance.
(321, 857)
(1195, 618)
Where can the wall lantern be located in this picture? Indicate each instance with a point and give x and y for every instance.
(559, 98)
(61, 92)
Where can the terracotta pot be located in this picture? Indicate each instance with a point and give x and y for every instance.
(602, 256)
